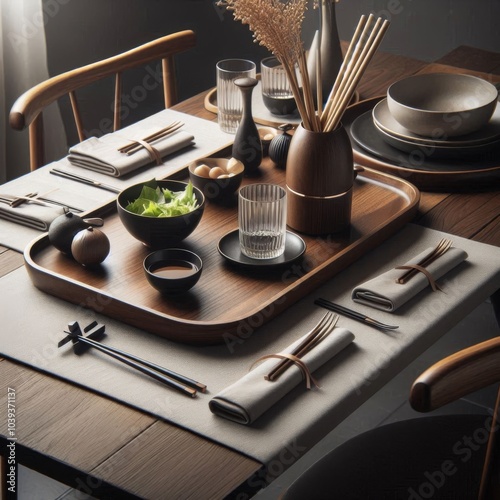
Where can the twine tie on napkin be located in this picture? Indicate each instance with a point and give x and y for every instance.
(440, 249)
(29, 210)
(252, 395)
(154, 154)
(324, 327)
(310, 380)
(432, 282)
(108, 155)
(385, 292)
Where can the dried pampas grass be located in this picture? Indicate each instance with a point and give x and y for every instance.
(277, 25)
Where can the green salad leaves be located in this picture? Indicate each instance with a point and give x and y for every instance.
(158, 202)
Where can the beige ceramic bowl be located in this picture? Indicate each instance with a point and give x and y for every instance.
(218, 188)
(442, 104)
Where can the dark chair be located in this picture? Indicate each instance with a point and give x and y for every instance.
(27, 110)
(442, 457)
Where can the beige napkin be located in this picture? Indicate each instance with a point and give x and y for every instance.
(248, 398)
(31, 215)
(384, 293)
(102, 155)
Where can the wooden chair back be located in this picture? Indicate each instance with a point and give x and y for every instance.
(28, 108)
(456, 376)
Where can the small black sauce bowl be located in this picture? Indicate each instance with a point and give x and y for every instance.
(168, 256)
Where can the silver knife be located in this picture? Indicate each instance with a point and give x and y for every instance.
(84, 180)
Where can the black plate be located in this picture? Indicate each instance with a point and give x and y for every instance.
(436, 150)
(365, 134)
(229, 248)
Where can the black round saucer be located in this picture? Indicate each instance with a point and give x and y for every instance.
(229, 248)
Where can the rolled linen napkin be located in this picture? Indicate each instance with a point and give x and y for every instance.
(248, 398)
(31, 215)
(102, 155)
(385, 294)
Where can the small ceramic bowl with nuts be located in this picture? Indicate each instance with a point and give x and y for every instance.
(266, 134)
(217, 178)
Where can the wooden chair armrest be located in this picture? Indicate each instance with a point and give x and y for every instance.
(457, 375)
(29, 105)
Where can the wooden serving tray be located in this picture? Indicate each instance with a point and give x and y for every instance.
(260, 113)
(228, 301)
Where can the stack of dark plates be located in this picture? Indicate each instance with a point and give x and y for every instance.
(434, 121)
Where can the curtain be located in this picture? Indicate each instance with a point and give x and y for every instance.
(23, 64)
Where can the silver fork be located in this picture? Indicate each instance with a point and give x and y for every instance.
(350, 313)
(324, 327)
(440, 249)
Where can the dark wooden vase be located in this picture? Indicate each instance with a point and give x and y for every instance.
(331, 51)
(319, 179)
(247, 146)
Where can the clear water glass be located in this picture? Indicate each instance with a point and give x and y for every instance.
(229, 101)
(262, 220)
(276, 92)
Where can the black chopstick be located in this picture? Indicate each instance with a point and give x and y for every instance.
(144, 369)
(84, 180)
(353, 314)
(165, 371)
(94, 330)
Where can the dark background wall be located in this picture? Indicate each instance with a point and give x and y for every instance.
(84, 31)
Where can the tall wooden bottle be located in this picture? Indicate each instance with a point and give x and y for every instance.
(247, 146)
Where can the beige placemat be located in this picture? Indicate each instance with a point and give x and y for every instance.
(208, 139)
(303, 417)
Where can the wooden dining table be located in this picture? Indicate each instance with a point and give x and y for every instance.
(103, 447)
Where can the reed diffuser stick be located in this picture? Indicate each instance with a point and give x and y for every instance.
(351, 67)
(295, 87)
(360, 69)
(319, 79)
(308, 94)
(343, 68)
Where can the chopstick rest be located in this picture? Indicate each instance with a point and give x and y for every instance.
(95, 330)
(252, 395)
(386, 294)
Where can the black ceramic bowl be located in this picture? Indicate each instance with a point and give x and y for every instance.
(219, 188)
(159, 232)
(173, 270)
